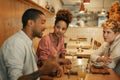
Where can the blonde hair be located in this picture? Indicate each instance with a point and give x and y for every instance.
(112, 24)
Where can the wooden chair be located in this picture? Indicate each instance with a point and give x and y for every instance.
(96, 45)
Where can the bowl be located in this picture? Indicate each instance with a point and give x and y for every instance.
(98, 64)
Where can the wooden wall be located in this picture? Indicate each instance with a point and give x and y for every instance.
(10, 18)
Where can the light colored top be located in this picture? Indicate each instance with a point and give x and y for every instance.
(80, 23)
(2, 73)
(117, 68)
(18, 56)
(47, 47)
(114, 51)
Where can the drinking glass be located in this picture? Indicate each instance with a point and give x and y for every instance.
(81, 72)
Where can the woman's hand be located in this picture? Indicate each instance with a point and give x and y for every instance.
(104, 59)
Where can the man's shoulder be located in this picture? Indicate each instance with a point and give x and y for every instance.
(14, 39)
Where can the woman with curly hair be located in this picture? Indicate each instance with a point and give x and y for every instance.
(52, 45)
(109, 52)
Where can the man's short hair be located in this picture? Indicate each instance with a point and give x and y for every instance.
(30, 14)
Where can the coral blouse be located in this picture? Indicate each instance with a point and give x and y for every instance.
(47, 47)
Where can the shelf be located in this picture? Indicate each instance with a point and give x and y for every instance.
(32, 3)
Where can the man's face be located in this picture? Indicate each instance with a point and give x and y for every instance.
(39, 26)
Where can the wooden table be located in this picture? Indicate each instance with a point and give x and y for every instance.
(82, 55)
(111, 76)
(64, 77)
(86, 53)
(90, 76)
(84, 44)
(82, 49)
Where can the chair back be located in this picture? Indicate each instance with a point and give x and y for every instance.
(96, 45)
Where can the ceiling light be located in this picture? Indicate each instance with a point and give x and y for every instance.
(86, 1)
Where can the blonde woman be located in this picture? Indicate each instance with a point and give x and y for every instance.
(109, 52)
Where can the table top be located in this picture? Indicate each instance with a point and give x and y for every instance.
(111, 76)
(81, 49)
(74, 45)
(90, 76)
(84, 54)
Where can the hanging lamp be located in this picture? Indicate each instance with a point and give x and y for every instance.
(86, 1)
(103, 11)
(82, 7)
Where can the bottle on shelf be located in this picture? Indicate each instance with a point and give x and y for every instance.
(47, 6)
(91, 41)
(52, 9)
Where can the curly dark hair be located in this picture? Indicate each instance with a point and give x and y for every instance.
(64, 15)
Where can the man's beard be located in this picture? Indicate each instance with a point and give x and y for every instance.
(35, 34)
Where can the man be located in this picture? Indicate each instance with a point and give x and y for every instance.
(80, 22)
(2, 73)
(17, 56)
